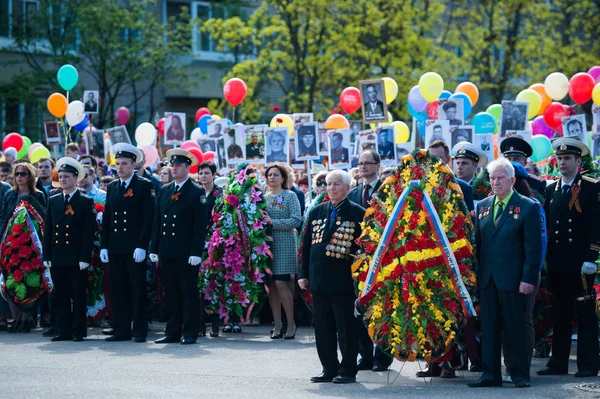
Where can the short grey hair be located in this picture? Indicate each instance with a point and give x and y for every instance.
(501, 163)
(339, 174)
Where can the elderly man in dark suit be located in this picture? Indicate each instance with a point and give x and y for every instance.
(509, 246)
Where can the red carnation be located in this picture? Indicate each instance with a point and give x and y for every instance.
(36, 262)
(27, 266)
(25, 252)
(232, 200)
(279, 120)
(235, 289)
(18, 275)
(17, 228)
(99, 208)
(276, 108)
(15, 259)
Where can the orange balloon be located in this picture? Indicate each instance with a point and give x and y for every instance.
(470, 90)
(57, 105)
(337, 121)
(546, 100)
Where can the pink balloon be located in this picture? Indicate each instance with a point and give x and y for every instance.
(539, 127)
(122, 116)
(150, 155)
(190, 144)
(595, 72)
(33, 147)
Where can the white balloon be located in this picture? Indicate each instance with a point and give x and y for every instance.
(145, 134)
(556, 85)
(196, 134)
(75, 113)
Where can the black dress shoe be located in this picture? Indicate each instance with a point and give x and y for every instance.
(108, 331)
(188, 341)
(140, 339)
(344, 379)
(58, 339)
(433, 370)
(49, 332)
(586, 373)
(323, 377)
(167, 340)
(522, 384)
(484, 384)
(550, 371)
(117, 338)
(476, 368)
(363, 365)
(380, 367)
(77, 339)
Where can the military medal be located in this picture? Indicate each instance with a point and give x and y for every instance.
(517, 211)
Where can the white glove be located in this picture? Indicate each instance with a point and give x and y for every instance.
(83, 265)
(589, 268)
(194, 260)
(139, 255)
(153, 258)
(48, 264)
(104, 255)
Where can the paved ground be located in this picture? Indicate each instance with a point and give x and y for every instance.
(248, 365)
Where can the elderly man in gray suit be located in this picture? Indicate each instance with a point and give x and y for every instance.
(509, 246)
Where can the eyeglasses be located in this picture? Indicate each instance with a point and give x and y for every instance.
(367, 163)
(21, 174)
(321, 183)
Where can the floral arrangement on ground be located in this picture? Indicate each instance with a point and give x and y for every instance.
(414, 309)
(237, 252)
(95, 301)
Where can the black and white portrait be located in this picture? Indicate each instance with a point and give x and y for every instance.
(220, 155)
(574, 126)
(255, 143)
(234, 144)
(461, 133)
(367, 140)
(437, 130)
(277, 146)
(90, 101)
(216, 128)
(355, 128)
(374, 107)
(52, 133)
(339, 148)
(386, 146)
(207, 145)
(302, 118)
(485, 142)
(306, 141)
(98, 143)
(513, 116)
(118, 134)
(451, 110)
(323, 141)
(174, 128)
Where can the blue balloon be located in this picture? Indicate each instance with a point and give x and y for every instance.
(467, 107)
(445, 94)
(484, 123)
(83, 124)
(420, 116)
(67, 77)
(229, 123)
(203, 123)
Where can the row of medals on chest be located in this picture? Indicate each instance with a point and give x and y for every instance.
(341, 240)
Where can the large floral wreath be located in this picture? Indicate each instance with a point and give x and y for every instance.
(237, 254)
(95, 301)
(414, 308)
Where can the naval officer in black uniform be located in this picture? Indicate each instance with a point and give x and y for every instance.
(68, 243)
(329, 242)
(518, 150)
(126, 230)
(178, 240)
(573, 215)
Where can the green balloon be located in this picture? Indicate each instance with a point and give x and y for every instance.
(495, 110)
(23, 151)
(67, 77)
(541, 146)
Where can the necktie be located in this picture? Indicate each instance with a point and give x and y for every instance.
(176, 189)
(365, 196)
(498, 213)
(565, 190)
(123, 186)
(332, 216)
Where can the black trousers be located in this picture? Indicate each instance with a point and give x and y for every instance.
(70, 284)
(129, 297)
(503, 310)
(565, 287)
(335, 321)
(182, 297)
(365, 348)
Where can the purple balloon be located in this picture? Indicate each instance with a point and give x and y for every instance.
(595, 72)
(539, 127)
(416, 100)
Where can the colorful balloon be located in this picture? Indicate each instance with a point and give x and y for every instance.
(541, 146)
(484, 123)
(420, 116)
(150, 155)
(467, 106)
(160, 126)
(14, 140)
(540, 89)
(431, 85)
(23, 152)
(196, 134)
(67, 77)
(416, 100)
(445, 94)
(470, 90)
(80, 127)
(190, 144)
(432, 110)
(122, 116)
(33, 147)
(557, 86)
(595, 72)
(534, 100)
(350, 100)
(539, 127)
(581, 87)
(145, 134)
(401, 132)
(235, 91)
(596, 94)
(203, 123)
(38, 153)
(283, 120)
(337, 121)
(495, 110)
(215, 117)
(553, 115)
(75, 113)
(391, 90)
(202, 111)
(208, 156)
(57, 105)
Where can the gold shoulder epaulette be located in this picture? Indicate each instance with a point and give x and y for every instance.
(591, 180)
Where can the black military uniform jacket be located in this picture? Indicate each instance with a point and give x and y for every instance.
(573, 232)
(180, 221)
(69, 229)
(128, 216)
(327, 254)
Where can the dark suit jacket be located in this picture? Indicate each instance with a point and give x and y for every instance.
(378, 109)
(325, 272)
(573, 237)
(127, 218)
(301, 198)
(180, 221)
(69, 238)
(467, 191)
(355, 195)
(510, 252)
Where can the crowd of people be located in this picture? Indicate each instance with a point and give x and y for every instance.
(163, 215)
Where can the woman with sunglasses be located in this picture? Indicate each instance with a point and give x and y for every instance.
(24, 180)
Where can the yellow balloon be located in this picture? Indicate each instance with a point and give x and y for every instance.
(596, 94)
(431, 86)
(533, 98)
(283, 120)
(401, 132)
(215, 117)
(391, 89)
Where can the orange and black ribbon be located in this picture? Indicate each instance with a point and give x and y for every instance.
(574, 200)
(69, 210)
(175, 197)
(129, 193)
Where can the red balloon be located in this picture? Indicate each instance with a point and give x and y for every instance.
(201, 112)
(350, 100)
(160, 126)
(208, 156)
(122, 116)
(553, 115)
(432, 110)
(581, 86)
(187, 145)
(13, 140)
(235, 91)
(198, 154)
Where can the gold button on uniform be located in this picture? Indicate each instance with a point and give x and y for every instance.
(57, 241)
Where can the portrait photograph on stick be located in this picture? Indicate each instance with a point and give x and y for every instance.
(118, 134)
(385, 145)
(306, 144)
(513, 116)
(255, 143)
(574, 126)
(451, 110)
(52, 133)
(234, 136)
(90, 101)
(437, 130)
(277, 146)
(174, 128)
(374, 107)
(461, 133)
(339, 148)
